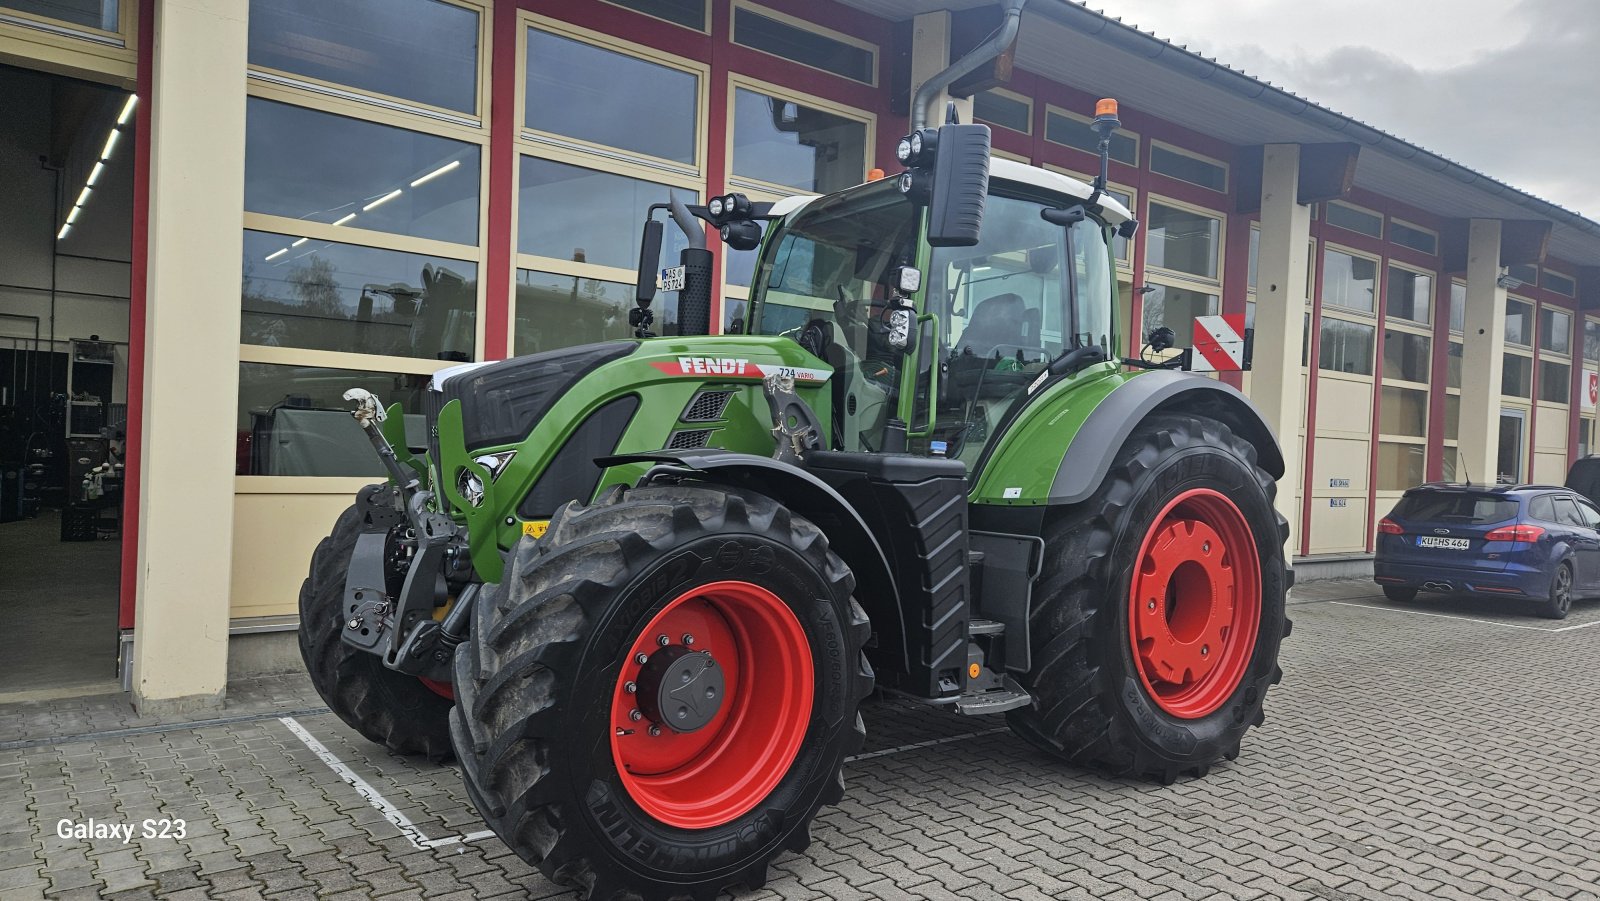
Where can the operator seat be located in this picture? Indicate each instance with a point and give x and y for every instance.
(999, 323)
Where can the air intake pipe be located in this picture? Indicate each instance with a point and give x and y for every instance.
(966, 65)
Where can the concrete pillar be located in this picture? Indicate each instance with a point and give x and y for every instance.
(191, 373)
(1281, 262)
(930, 55)
(1482, 354)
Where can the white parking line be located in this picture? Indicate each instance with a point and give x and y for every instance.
(390, 812)
(1467, 619)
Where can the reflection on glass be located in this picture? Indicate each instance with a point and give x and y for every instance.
(1555, 330)
(1187, 168)
(1403, 411)
(735, 316)
(1452, 418)
(1555, 381)
(1410, 295)
(1516, 375)
(1176, 308)
(582, 91)
(752, 29)
(571, 213)
(784, 143)
(741, 265)
(294, 420)
(1458, 306)
(688, 13)
(1000, 109)
(1401, 466)
(325, 296)
(1591, 341)
(1406, 356)
(555, 311)
(101, 14)
(1519, 323)
(1452, 365)
(359, 43)
(304, 164)
(1345, 347)
(1182, 241)
(1348, 281)
(1070, 132)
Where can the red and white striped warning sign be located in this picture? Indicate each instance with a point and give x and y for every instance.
(1218, 343)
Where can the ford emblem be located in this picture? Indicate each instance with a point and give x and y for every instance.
(1441, 531)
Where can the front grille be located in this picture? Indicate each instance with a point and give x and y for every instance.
(707, 406)
(689, 439)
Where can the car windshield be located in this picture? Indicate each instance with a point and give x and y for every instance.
(1457, 507)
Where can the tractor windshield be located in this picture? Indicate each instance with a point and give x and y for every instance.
(825, 280)
(1027, 293)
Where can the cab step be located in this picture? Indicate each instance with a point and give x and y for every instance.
(1009, 696)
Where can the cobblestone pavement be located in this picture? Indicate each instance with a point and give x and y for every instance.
(1442, 750)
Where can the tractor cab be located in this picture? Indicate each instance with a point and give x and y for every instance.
(989, 318)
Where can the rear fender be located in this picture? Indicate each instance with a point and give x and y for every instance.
(816, 500)
(1088, 457)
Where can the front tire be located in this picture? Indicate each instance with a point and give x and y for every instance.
(1158, 615)
(575, 747)
(393, 709)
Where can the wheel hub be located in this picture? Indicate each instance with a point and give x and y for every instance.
(681, 689)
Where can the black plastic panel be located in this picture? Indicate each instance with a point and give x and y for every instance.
(501, 402)
(572, 473)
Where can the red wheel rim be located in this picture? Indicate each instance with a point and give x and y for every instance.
(442, 689)
(1195, 603)
(717, 773)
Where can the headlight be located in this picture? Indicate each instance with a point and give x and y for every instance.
(471, 487)
(715, 206)
(902, 151)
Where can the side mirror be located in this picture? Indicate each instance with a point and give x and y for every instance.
(949, 171)
(1161, 339)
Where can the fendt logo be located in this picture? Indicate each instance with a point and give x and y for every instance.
(737, 367)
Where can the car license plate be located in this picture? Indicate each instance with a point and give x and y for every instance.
(1448, 544)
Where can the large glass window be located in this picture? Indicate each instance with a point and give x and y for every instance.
(1591, 341)
(584, 215)
(1452, 365)
(1413, 237)
(1182, 241)
(1350, 282)
(321, 295)
(1560, 284)
(1410, 295)
(1555, 330)
(294, 420)
(807, 46)
(305, 164)
(578, 90)
(1555, 381)
(1176, 309)
(688, 13)
(424, 51)
(783, 142)
(1005, 110)
(1354, 219)
(1516, 375)
(1519, 323)
(1406, 356)
(1458, 306)
(101, 14)
(1401, 465)
(1345, 347)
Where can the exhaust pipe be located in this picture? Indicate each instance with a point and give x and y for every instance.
(694, 301)
(989, 49)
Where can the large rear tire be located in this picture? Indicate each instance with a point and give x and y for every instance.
(576, 748)
(393, 709)
(1158, 615)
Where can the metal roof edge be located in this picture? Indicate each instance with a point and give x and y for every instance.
(1075, 14)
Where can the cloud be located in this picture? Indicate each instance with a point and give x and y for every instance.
(1511, 90)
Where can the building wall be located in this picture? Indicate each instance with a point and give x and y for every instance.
(483, 199)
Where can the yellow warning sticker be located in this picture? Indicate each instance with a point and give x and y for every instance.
(535, 528)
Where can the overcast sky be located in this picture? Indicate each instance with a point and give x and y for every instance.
(1508, 87)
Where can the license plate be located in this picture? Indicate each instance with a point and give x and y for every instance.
(1448, 544)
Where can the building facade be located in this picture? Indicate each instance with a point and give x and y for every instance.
(328, 194)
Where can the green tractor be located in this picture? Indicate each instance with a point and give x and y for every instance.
(639, 589)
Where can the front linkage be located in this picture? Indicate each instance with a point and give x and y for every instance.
(403, 540)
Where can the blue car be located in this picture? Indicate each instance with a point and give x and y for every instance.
(1538, 542)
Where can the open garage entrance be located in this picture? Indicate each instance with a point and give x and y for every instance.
(67, 167)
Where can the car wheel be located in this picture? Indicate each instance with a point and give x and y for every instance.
(1399, 595)
(1559, 602)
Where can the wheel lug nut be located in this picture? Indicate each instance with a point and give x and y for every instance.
(1205, 548)
(641, 658)
(631, 687)
(688, 639)
(636, 714)
(655, 731)
(1205, 650)
(663, 640)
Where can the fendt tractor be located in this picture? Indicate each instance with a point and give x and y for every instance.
(639, 589)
